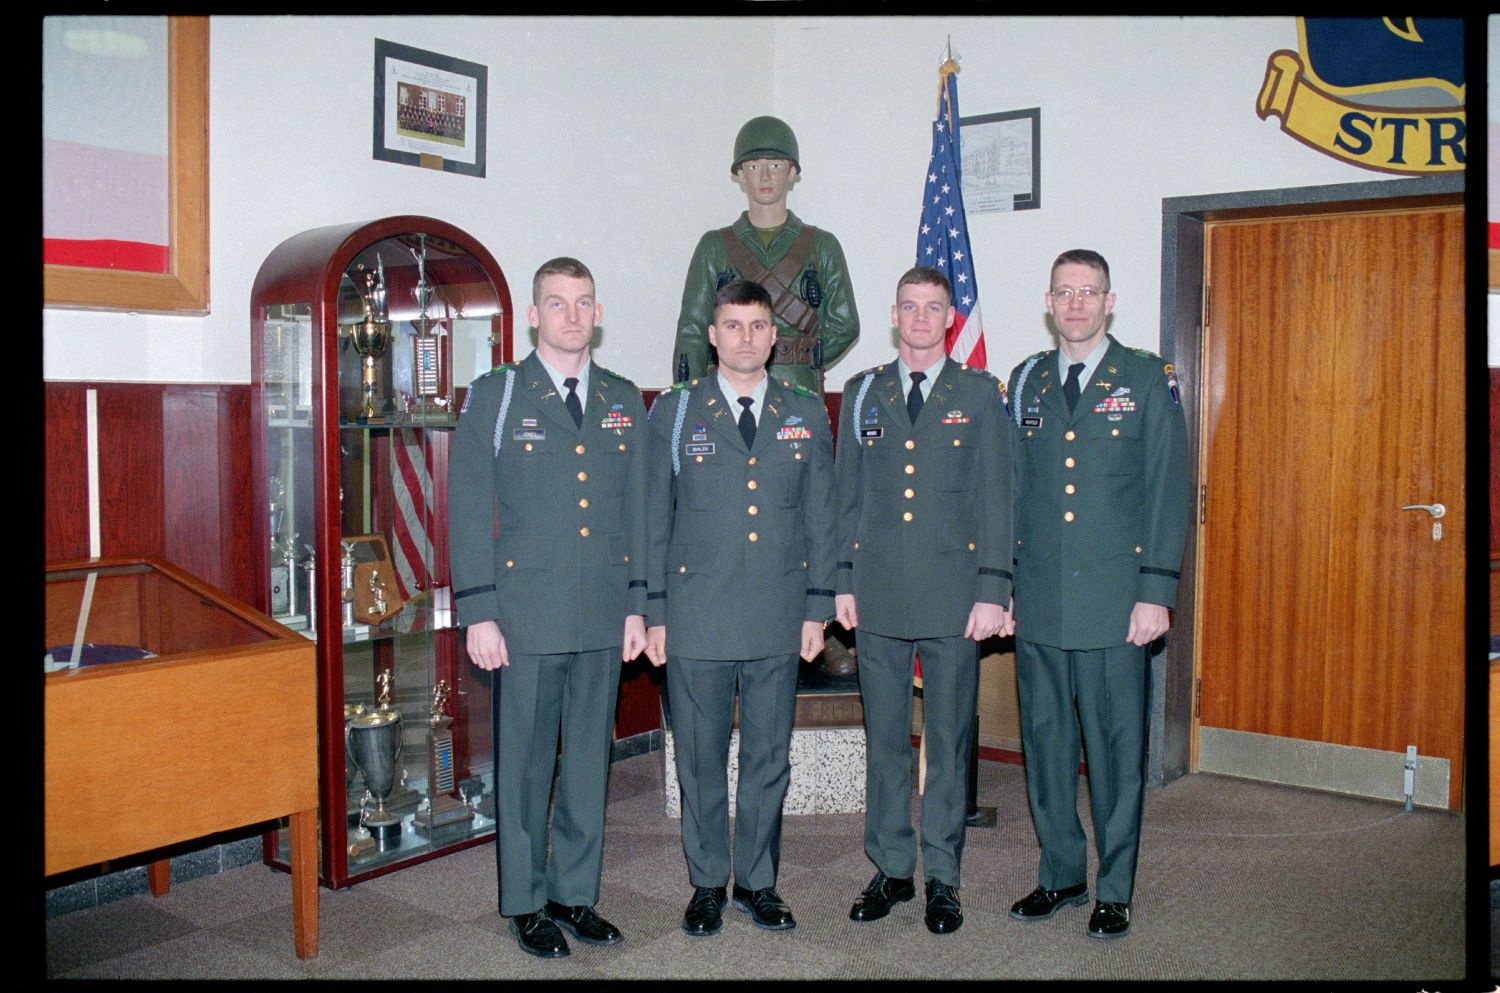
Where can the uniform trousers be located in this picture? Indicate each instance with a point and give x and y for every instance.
(534, 698)
(950, 686)
(701, 695)
(1105, 693)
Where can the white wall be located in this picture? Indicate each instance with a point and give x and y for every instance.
(610, 140)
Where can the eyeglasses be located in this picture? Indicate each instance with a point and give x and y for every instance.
(1086, 294)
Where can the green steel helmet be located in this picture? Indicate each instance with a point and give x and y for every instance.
(765, 138)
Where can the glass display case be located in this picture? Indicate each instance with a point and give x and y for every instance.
(364, 338)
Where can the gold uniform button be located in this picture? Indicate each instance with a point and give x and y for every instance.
(1068, 462)
(1138, 549)
(798, 456)
(528, 446)
(1029, 433)
(956, 443)
(510, 563)
(622, 446)
(1115, 433)
(682, 568)
(971, 546)
(754, 536)
(911, 470)
(752, 485)
(698, 458)
(856, 546)
(1068, 516)
(579, 449)
(753, 510)
(1070, 435)
(752, 460)
(909, 493)
(584, 503)
(584, 531)
(583, 476)
(910, 444)
(869, 444)
(906, 516)
(1069, 489)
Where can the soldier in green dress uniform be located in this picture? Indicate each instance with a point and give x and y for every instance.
(924, 481)
(740, 566)
(552, 449)
(1101, 505)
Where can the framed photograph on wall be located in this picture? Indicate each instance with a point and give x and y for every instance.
(1002, 156)
(429, 109)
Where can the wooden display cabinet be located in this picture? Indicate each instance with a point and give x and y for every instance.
(363, 338)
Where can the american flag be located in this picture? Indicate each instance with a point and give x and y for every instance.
(943, 232)
(411, 482)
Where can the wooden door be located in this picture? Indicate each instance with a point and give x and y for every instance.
(1333, 396)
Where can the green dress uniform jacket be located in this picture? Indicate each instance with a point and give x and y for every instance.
(564, 570)
(838, 319)
(1100, 494)
(741, 541)
(924, 508)
(569, 561)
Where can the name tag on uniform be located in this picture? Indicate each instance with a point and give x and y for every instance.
(706, 449)
(1031, 422)
(872, 432)
(529, 434)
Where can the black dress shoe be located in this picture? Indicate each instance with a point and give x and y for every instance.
(538, 936)
(585, 923)
(944, 916)
(1040, 904)
(705, 911)
(766, 909)
(880, 896)
(1109, 920)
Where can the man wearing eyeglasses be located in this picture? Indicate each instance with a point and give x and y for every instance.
(1101, 505)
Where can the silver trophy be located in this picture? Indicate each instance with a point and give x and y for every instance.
(372, 743)
(428, 372)
(346, 582)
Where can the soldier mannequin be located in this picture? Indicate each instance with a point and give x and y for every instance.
(1101, 505)
(801, 266)
(740, 572)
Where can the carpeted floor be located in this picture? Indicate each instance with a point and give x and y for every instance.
(1237, 880)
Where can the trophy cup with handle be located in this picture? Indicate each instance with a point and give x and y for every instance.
(372, 742)
(370, 337)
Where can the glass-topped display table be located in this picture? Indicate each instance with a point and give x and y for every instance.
(188, 713)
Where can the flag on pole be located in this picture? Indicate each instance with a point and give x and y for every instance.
(943, 232)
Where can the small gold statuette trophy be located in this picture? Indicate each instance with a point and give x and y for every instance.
(440, 808)
(370, 336)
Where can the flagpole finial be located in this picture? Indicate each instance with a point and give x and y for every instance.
(950, 60)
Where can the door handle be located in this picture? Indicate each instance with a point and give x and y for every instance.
(1437, 511)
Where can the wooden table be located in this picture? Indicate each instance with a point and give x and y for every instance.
(217, 731)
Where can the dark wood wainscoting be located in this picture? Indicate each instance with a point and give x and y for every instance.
(174, 471)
